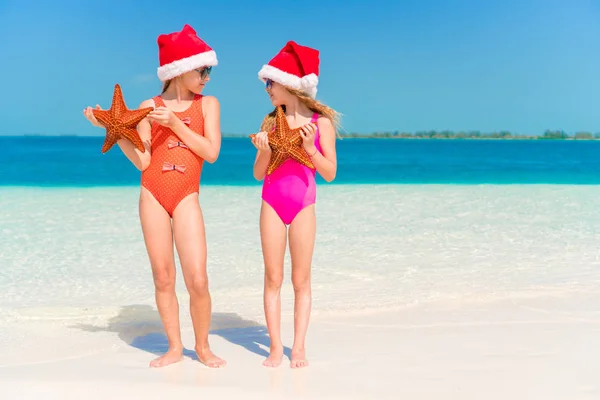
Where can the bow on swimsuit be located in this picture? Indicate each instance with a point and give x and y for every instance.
(174, 170)
(291, 187)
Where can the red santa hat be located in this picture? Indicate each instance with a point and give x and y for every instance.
(181, 52)
(295, 66)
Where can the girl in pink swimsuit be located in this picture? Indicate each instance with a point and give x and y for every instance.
(289, 192)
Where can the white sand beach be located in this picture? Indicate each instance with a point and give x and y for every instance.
(527, 349)
(424, 292)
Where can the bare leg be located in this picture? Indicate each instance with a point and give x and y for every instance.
(190, 239)
(158, 236)
(273, 239)
(302, 243)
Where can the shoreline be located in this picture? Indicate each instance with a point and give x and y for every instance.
(418, 292)
(341, 185)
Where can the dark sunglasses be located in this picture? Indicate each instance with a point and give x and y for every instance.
(204, 72)
(269, 84)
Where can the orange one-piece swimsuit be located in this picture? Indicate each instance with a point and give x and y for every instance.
(174, 170)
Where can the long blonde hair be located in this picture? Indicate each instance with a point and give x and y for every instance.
(268, 123)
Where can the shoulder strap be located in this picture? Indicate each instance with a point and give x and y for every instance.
(314, 118)
(198, 99)
(158, 102)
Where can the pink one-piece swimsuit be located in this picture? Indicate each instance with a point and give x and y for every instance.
(292, 186)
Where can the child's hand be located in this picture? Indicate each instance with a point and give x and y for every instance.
(163, 116)
(261, 142)
(308, 133)
(90, 116)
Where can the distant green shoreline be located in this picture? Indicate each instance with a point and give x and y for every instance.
(457, 138)
(443, 135)
(478, 135)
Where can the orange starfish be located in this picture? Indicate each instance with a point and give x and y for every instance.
(121, 122)
(286, 143)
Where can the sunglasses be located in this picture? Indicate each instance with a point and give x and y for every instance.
(204, 72)
(269, 83)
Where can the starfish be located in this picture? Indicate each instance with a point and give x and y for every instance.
(286, 143)
(121, 122)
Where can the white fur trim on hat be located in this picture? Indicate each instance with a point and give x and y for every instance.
(307, 83)
(176, 68)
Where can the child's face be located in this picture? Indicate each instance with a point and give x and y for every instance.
(277, 93)
(195, 80)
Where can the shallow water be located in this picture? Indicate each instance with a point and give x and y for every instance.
(73, 251)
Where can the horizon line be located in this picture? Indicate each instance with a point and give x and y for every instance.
(420, 134)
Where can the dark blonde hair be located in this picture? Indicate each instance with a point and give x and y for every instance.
(166, 85)
(268, 123)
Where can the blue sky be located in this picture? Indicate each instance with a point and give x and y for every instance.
(518, 65)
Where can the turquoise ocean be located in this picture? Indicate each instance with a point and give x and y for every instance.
(78, 162)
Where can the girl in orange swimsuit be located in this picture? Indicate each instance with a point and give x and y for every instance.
(179, 135)
(289, 192)
(178, 176)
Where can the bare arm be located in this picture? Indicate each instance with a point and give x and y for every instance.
(144, 128)
(326, 163)
(263, 155)
(261, 163)
(209, 145)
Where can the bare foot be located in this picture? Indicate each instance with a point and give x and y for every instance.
(275, 357)
(208, 358)
(298, 359)
(170, 357)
